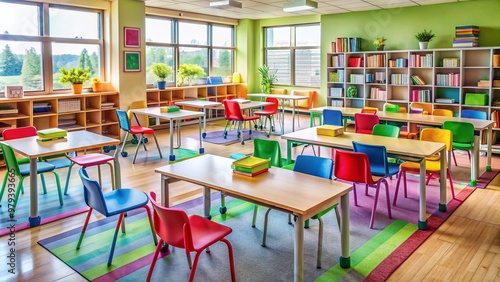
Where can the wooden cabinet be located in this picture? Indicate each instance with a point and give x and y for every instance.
(90, 111)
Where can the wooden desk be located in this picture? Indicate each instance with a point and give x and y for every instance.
(76, 141)
(172, 117)
(479, 125)
(414, 150)
(283, 97)
(296, 193)
(200, 104)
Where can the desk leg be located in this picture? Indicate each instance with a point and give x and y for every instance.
(293, 115)
(474, 167)
(422, 220)
(298, 250)
(488, 154)
(204, 123)
(345, 259)
(165, 191)
(442, 179)
(282, 116)
(202, 150)
(34, 218)
(171, 137)
(207, 202)
(288, 152)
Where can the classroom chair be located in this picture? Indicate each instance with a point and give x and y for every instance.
(268, 113)
(386, 130)
(475, 114)
(463, 136)
(369, 110)
(232, 113)
(363, 123)
(442, 112)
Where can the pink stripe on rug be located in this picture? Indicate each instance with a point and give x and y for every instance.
(129, 268)
(25, 225)
(399, 255)
(486, 178)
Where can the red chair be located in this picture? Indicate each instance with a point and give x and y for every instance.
(192, 233)
(232, 112)
(364, 123)
(269, 111)
(345, 161)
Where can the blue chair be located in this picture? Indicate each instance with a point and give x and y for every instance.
(315, 166)
(112, 203)
(333, 117)
(377, 155)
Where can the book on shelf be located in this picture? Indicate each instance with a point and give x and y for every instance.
(348, 44)
(419, 60)
(334, 47)
(336, 92)
(420, 95)
(252, 174)
(451, 62)
(417, 80)
(355, 62)
(338, 61)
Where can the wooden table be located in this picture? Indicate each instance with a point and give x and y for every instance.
(75, 141)
(172, 117)
(407, 149)
(296, 193)
(200, 104)
(283, 97)
(479, 125)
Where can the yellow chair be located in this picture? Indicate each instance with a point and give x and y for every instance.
(427, 108)
(432, 164)
(369, 110)
(306, 104)
(278, 91)
(442, 112)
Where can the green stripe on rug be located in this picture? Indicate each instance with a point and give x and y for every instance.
(373, 252)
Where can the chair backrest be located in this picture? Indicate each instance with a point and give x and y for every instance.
(386, 130)
(92, 193)
(427, 108)
(363, 123)
(345, 161)
(437, 135)
(123, 120)
(377, 154)
(316, 166)
(463, 132)
(304, 103)
(19, 132)
(136, 105)
(232, 110)
(333, 117)
(265, 148)
(391, 108)
(272, 107)
(369, 110)
(278, 91)
(10, 159)
(474, 114)
(170, 224)
(442, 112)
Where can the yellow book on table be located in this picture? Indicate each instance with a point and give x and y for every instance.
(250, 162)
(330, 130)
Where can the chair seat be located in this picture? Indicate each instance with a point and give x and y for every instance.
(380, 170)
(430, 167)
(60, 163)
(206, 232)
(141, 130)
(462, 146)
(91, 159)
(124, 199)
(41, 167)
(264, 113)
(247, 118)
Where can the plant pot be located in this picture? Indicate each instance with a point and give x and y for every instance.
(423, 45)
(162, 84)
(96, 86)
(380, 48)
(77, 88)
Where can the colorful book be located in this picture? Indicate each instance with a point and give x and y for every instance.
(250, 162)
(253, 169)
(170, 109)
(250, 174)
(52, 133)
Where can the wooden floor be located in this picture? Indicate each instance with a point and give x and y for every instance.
(465, 248)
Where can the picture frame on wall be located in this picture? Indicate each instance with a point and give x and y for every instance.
(131, 61)
(132, 37)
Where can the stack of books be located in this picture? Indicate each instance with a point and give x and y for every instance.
(52, 134)
(170, 109)
(346, 44)
(466, 36)
(251, 166)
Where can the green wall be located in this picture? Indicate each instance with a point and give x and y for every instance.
(398, 25)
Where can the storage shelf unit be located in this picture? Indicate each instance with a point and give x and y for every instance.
(449, 74)
(89, 111)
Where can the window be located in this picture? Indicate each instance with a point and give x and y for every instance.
(31, 54)
(294, 52)
(175, 42)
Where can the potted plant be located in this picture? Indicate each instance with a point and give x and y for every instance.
(379, 43)
(161, 71)
(189, 73)
(96, 84)
(268, 78)
(424, 37)
(75, 76)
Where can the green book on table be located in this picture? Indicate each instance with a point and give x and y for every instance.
(51, 133)
(253, 169)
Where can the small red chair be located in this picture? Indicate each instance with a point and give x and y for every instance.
(269, 111)
(345, 161)
(232, 112)
(192, 233)
(364, 123)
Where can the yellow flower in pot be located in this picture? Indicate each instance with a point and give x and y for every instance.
(96, 84)
(75, 76)
(379, 43)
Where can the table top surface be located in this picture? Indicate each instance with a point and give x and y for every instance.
(75, 140)
(479, 124)
(278, 188)
(280, 96)
(156, 112)
(398, 146)
(198, 103)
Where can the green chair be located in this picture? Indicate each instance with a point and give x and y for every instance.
(386, 130)
(22, 171)
(463, 136)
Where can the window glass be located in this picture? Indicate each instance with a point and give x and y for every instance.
(159, 55)
(158, 30)
(193, 33)
(222, 62)
(307, 67)
(278, 37)
(222, 36)
(72, 56)
(19, 19)
(84, 24)
(308, 35)
(21, 64)
(281, 61)
(197, 56)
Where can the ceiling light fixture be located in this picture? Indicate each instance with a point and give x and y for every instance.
(225, 4)
(300, 5)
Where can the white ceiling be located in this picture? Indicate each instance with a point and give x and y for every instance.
(264, 9)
